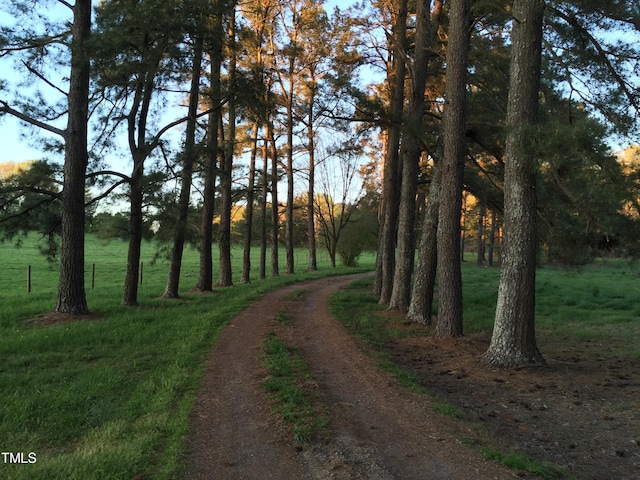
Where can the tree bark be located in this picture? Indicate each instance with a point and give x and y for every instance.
(453, 127)
(492, 239)
(385, 263)
(288, 237)
(262, 271)
(224, 244)
(275, 214)
(224, 238)
(411, 152)
(132, 274)
(423, 291)
(137, 132)
(425, 277)
(248, 230)
(190, 153)
(205, 275)
(71, 291)
(480, 239)
(311, 224)
(513, 341)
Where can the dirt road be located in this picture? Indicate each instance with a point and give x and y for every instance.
(377, 430)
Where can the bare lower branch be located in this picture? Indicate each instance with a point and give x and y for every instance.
(5, 108)
(43, 78)
(106, 193)
(66, 4)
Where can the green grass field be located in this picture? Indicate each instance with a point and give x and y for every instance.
(600, 301)
(108, 398)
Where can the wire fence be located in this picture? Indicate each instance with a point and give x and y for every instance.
(93, 276)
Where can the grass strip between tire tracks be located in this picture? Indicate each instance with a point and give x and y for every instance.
(289, 386)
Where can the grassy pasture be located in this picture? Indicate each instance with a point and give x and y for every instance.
(108, 397)
(599, 302)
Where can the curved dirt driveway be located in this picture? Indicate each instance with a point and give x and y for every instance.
(377, 429)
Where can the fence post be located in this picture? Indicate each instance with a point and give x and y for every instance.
(93, 275)
(28, 278)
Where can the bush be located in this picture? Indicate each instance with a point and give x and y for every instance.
(358, 236)
(349, 255)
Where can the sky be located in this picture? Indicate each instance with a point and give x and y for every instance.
(14, 149)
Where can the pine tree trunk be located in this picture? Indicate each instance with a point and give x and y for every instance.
(130, 294)
(480, 238)
(311, 224)
(392, 172)
(71, 291)
(226, 203)
(288, 237)
(513, 341)
(262, 271)
(137, 129)
(492, 239)
(411, 153)
(173, 280)
(275, 214)
(453, 127)
(425, 278)
(205, 275)
(224, 238)
(248, 231)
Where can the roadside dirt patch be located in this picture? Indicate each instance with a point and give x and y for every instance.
(377, 430)
(581, 412)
